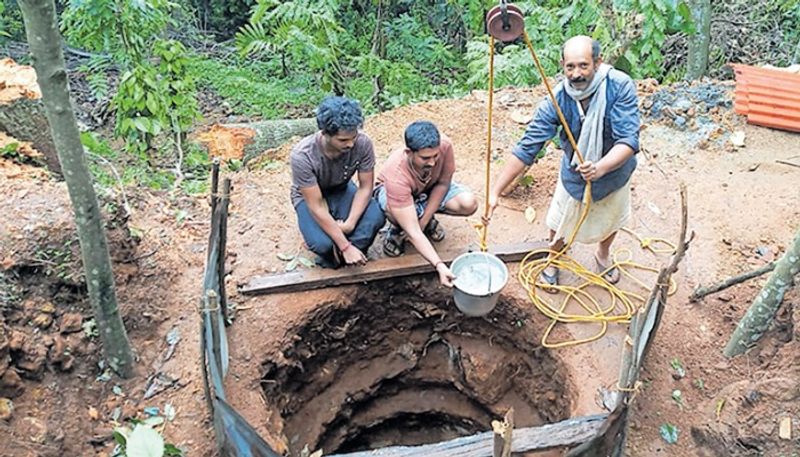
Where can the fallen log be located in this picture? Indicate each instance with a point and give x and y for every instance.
(247, 141)
(22, 112)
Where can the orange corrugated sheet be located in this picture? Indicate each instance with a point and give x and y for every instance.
(768, 97)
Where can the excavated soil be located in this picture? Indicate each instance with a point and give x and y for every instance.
(400, 366)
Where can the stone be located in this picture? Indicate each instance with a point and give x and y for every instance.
(682, 105)
(71, 323)
(17, 340)
(785, 431)
(57, 350)
(48, 307)
(737, 138)
(6, 409)
(32, 362)
(67, 363)
(11, 384)
(43, 320)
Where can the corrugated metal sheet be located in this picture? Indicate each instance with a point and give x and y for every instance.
(768, 97)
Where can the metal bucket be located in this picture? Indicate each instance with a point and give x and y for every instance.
(480, 277)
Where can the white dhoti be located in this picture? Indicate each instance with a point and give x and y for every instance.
(604, 218)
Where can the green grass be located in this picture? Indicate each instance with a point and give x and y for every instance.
(255, 88)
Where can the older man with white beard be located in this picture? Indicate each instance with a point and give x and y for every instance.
(602, 111)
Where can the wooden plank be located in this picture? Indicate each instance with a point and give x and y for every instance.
(384, 268)
(565, 433)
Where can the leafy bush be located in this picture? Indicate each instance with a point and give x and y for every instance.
(256, 88)
(126, 29)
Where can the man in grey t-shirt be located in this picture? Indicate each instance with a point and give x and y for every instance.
(338, 220)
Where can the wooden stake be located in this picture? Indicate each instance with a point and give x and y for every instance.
(502, 435)
(223, 202)
(701, 292)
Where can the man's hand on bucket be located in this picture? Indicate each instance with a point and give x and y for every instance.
(446, 277)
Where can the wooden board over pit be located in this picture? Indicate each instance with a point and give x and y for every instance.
(384, 268)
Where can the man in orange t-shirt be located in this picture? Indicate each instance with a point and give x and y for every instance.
(414, 184)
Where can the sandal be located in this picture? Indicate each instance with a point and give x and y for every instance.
(610, 274)
(394, 242)
(549, 280)
(434, 230)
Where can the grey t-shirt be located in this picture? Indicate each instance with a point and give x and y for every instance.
(310, 167)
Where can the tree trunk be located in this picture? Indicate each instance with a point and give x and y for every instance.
(44, 39)
(759, 317)
(22, 114)
(379, 50)
(697, 64)
(250, 140)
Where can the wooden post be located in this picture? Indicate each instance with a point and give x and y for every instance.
(502, 435)
(214, 184)
(204, 310)
(223, 240)
(212, 301)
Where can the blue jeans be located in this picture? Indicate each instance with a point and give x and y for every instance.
(339, 203)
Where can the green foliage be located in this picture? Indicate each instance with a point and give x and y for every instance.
(139, 108)
(96, 69)
(11, 292)
(513, 65)
(305, 30)
(151, 99)
(143, 441)
(255, 88)
(551, 23)
(112, 170)
(473, 12)
(155, 92)
(196, 166)
(125, 29)
(660, 17)
(11, 26)
(669, 433)
(223, 16)
(57, 261)
(178, 102)
(410, 40)
(414, 64)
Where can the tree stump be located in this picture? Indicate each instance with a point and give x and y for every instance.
(22, 113)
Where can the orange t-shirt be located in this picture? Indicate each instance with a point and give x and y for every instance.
(403, 186)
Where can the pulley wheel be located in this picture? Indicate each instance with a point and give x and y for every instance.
(505, 32)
